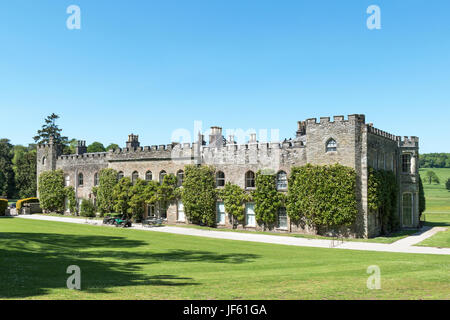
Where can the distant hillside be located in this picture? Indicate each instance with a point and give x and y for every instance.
(435, 160)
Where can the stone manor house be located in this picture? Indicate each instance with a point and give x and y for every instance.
(350, 142)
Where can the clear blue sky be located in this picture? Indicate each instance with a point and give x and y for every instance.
(149, 67)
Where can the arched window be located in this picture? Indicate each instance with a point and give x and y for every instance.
(96, 179)
(67, 180)
(161, 176)
(180, 178)
(44, 160)
(80, 179)
(148, 176)
(120, 175)
(249, 179)
(282, 182)
(134, 177)
(220, 179)
(331, 145)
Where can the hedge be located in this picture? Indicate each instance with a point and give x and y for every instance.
(3, 206)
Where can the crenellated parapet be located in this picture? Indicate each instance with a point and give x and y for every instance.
(408, 142)
(381, 133)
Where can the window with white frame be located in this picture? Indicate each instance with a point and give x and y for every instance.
(406, 163)
(134, 177)
(180, 212)
(220, 212)
(180, 178)
(250, 220)
(282, 218)
(220, 179)
(249, 179)
(331, 145)
(282, 182)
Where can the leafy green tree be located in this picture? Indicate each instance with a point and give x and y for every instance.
(267, 199)
(7, 186)
(435, 160)
(447, 184)
(122, 195)
(322, 195)
(25, 173)
(112, 146)
(234, 198)
(199, 195)
(51, 191)
(104, 190)
(50, 129)
(138, 197)
(432, 177)
(96, 147)
(71, 147)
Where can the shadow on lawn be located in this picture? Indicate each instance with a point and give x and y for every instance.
(33, 263)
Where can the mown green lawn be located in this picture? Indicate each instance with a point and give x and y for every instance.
(437, 211)
(134, 264)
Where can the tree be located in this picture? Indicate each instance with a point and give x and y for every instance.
(122, 195)
(447, 184)
(199, 194)
(96, 147)
(432, 177)
(137, 199)
(71, 147)
(25, 173)
(7, 187)
(50, 129)
(104, 190)
(112, 146)
(422, 200)
(51, 191)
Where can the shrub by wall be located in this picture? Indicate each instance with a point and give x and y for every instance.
(104, 190)
(87, 208)
(322, 195)
(51, 191)
(199, 194)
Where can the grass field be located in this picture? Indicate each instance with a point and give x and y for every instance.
(134, 264)
(437, 212)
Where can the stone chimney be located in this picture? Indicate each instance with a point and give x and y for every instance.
(133, 141)
(216, 138)
(81, 147)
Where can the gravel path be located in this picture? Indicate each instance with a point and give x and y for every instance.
(404, 245)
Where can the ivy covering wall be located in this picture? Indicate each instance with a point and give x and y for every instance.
(199, 194)
(322, 195)
(234, 198)
(266, 198)
(51, 191)
(382, 191)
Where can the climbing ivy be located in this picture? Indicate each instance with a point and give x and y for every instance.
(322, 195)
(199, 195)
(267, 199)
(234, 198)
(72, 202)
(382, 190)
